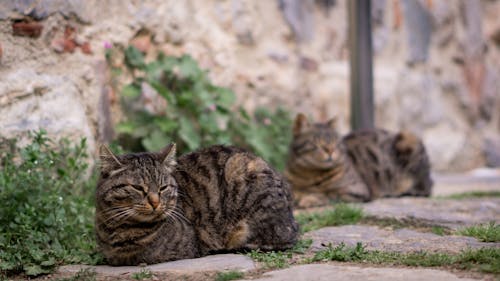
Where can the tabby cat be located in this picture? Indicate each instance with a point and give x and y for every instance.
(152, 208)
(361, 166)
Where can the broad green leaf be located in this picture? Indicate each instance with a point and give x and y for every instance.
(163, 91)
(126, 127)
(33, 270)
(226, 98)
(189, 68)
(166, 125)
(188, 134)
(134, 57)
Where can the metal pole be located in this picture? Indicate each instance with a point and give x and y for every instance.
(360, 47)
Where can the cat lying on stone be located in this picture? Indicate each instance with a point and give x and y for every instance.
(361, 166)
(152, 207)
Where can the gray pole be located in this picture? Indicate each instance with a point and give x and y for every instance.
(360, 50)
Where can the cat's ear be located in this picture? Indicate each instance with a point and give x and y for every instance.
(300, 124)
(332, 123)
(109, 161)
(167, 155)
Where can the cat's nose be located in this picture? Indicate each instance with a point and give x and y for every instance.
(154, 200)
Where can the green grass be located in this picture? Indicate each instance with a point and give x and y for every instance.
(489, 232)
(341, 253)
(485, 260)
(472, 194)
(280, 259)
(229, 275)
(47, 208)
(272, 259)
(342, 214)
(143, 274)
(302, 246)
(439, 230)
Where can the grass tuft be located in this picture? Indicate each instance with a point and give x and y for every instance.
(489, 232)
(472, 194)
(229, 275)
(341, 253)
(342, 214)
(272, 259)
(143, 274)
(486, 260)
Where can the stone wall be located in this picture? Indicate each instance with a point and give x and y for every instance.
(437, 63)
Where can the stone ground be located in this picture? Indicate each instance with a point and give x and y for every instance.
(416, 216)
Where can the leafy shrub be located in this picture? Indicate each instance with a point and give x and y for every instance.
(192, 111)
(46, 211)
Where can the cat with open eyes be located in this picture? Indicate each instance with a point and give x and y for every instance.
(362, 166)
(152, 207)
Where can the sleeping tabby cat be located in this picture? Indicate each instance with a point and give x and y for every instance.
(361, 166)
(152, 208)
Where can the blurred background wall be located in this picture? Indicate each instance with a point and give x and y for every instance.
(436, 64)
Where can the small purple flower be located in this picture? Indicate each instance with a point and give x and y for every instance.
(266, 121)
(107, 45)
(212, 107)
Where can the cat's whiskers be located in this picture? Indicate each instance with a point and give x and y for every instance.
(179, 215)
(119, 217)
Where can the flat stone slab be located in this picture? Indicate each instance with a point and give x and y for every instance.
(208, 263)
(401, 240)
(329, 272)
(436, 212)
(482, 179)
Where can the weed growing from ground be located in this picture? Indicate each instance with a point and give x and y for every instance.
(46, 212)
(143, 274)
(229, 275)
(472, 194)
(272, 259)
(341, 253)
(485, 259)
(342, 214)
(489, 232)
(302, 246)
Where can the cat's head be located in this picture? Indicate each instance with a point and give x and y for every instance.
(137, 187)
(315, 145)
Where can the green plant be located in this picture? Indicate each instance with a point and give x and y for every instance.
(472, 194)
(272, 259)
(485, 259)
(193, 112)
(341, 253)
(47, 211)
(143, 274)
(489, 232)
(342, 214)
(438, 230)
(229, 275)
(302, 246)
(266, 133)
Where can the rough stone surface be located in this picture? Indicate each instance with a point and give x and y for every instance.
(401, 240)
(208, 263)
(478, 180)
(328, 272)
(32, 101)
(435, 97)
(436, 212)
